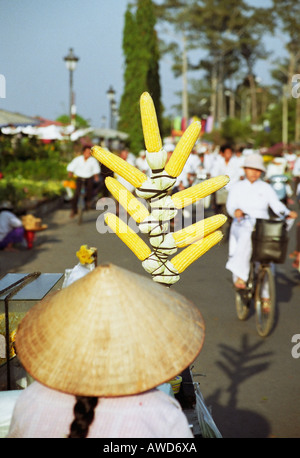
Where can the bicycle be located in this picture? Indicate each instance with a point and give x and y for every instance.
(260, 281)
(269, 241)
(81, 203)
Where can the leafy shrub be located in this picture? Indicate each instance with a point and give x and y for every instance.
(38, 169)
(18, 189)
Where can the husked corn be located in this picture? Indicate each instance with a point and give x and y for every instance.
(183, 149)
(190, 254)
(128, 236)
(151, 132)
(129, 202)
(197, 231)
(130, 173)
(190, 195)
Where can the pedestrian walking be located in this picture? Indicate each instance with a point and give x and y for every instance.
(225, 164)
(86, 169)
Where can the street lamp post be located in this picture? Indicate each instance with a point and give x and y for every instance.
(71, 62)
(111, 97)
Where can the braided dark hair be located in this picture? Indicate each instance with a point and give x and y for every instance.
(84, 416)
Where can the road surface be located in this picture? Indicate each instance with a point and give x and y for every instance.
(250, 383)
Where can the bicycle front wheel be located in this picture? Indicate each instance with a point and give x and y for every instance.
(265, 301)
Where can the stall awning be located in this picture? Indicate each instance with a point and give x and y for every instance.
(9, 118)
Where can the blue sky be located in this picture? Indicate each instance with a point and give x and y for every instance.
(35, 35)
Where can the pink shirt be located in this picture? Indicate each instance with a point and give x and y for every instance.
(41, 412)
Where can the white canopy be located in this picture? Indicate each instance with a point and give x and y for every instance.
(109, 134)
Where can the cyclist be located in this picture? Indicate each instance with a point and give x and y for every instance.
(87, 169)
(247, 200)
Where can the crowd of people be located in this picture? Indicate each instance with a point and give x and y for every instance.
(249, 194)
(100, 404)
(239, 198)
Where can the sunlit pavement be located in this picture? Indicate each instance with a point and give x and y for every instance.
(251, 383)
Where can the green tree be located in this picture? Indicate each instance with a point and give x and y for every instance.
(288, 20)
(79, 121)
(230, 32)
(255, 23)
(141, 53)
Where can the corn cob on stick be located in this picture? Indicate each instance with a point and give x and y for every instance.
(151, 132)
(130, 173)
(190, 254)
(183, 149)
(128, 236)
(129, 202)
(199, 230)
(190, 195)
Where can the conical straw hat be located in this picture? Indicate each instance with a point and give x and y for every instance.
(110, 333)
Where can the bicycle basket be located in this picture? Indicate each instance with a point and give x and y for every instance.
(269, 241)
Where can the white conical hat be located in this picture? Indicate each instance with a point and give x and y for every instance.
(110, 333)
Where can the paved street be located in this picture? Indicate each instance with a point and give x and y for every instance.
(251, 383)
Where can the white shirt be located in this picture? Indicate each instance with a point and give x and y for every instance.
(231, 168)
(7, 222)
(143, 166)
(275, 169)
(239, 160)
(296, 169)
(208, 161)
(254, 199)
(84, 168)
(42, 412)
(131, 159)
(192, 163)
(190, 167)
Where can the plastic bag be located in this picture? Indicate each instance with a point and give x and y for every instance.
(79, 271)
(206, 422)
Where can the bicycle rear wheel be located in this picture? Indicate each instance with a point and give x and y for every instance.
(243, 298)
(81, 205)
(265, 309)
(80, 215)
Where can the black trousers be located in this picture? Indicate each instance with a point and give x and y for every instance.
(88, 185)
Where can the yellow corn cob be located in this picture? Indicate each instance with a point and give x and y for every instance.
(190, 195)
(190, 254)
(119, 166)
(128, 236)
(197, 231)
(151, 132)
(132, 205)
(183, 149)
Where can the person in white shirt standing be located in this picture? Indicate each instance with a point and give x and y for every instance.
(247, 200)
(86, 169)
